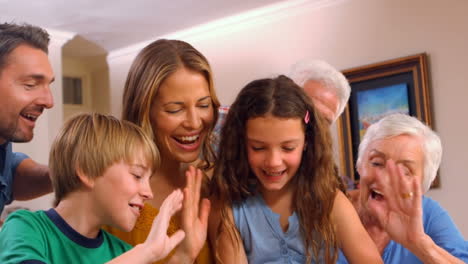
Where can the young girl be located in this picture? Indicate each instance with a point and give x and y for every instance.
(275, 197)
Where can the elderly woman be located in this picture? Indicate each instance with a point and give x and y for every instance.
(397, 161)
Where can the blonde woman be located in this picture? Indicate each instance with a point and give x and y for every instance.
(169, 93)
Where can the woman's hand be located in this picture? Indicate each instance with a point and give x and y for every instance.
(401, 215)
(194, 218)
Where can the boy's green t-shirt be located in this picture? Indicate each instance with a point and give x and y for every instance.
(44, 237)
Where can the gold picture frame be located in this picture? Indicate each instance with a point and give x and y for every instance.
(404, 80)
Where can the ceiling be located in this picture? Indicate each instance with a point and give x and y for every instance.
(106, 25)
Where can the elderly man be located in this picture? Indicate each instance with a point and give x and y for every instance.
(329, 91)
(327, 87)
(25, 76)
(398, 159)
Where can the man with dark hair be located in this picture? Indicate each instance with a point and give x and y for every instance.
(25, 77)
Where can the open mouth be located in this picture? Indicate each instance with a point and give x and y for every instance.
(274, 173)
(376, 195)
(30, 117)
(136, 208)
(187, 140)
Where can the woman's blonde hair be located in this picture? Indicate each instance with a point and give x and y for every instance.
(150, 68)
(91, 143)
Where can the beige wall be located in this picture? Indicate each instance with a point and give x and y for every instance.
(95, 75)
(74, 67)
(348, 34)
(99, 73)
(100, 90)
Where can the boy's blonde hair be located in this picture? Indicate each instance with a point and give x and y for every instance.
(91, 143)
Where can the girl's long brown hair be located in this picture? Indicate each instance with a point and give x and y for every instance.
(315, 183)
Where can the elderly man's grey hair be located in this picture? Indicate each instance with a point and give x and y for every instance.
(400, 124)
(318, 70)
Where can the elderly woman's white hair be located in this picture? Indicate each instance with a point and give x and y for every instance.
(321, 71)
(400, 124)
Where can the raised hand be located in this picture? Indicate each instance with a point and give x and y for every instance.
(159, 243)
(194, 218)
(401, 215)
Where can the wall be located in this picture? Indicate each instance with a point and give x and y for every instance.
(74, 67)
(100, 87)
(346, 34)
(95, 74)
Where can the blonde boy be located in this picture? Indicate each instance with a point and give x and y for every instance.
(100, 169)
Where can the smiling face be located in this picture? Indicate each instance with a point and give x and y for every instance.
(24, 92)
(325, 101)
(181, 115)
(402, 149)
(120, 192)
(274, 150)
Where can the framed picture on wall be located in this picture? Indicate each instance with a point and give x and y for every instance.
(394, 86)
